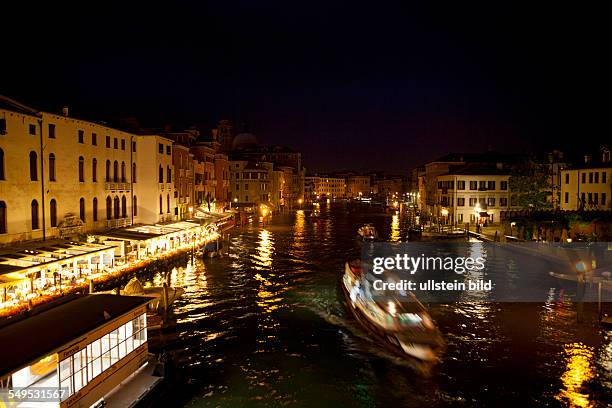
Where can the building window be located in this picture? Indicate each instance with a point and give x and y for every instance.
(134, 146)
(490, 185)
(596, 198)
(2, 164)
(81, 169)
(108, 142)
(603, 177)
(583, 178)
(168, 150)
(161, 148)
(590, 198)
(33, 166)
(115, 171)
(168, 174)
(115, 143)
(123, 172)
(503, 185)
(461, 201)
(246, 186)
(116, 207)
(51, 131)
(566, 198)
(491, 202)
(566, 178)
(161, 209)
(82, 209)
(473, 202)
(460, 184)
(168, 203)
(53, 212)
(473, 185)
(94, 170)
(590, 177)
(135, 207)
(161, 174)
(81, 136)
(2, 126)
(133, 172)
(123, 207)
(503, 202)
(32, 129)
(34, 208)
(482, 185)
(108, 171)
(94, 139)
(95, 209)
(603, 198)
(237, 187)
(51, 167)
(122, 144)
(109, 208)
(2, 217)
(596, 177)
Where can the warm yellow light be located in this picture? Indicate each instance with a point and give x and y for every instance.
(395, 204)
(444, 212)
(236, 199)
(300, 201)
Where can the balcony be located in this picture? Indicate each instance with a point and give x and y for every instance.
(114, 187)
(118, 223)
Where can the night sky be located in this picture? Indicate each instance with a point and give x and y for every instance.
(352, 85)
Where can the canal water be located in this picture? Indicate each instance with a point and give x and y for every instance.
(266, 327)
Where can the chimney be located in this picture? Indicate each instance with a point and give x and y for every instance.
(587, 158)
(65, 111)
(499, 165)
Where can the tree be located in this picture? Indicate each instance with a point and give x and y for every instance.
(209, 198)
(530, 184)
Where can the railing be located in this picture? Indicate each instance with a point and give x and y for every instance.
(118, 223)
(117, 186)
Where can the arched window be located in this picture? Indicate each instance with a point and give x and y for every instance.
(51, 167)
(34, 206)
(95, 209)
(123, 207)
(116, 171)
(168, 203)
(81, 169)
(116, 207)
(133, 172)
(161, 209)
(33, 166)
(135, 207)
(107, 171)
(53, 212)
(94, 170)
(82, 209)
(2, 217)
(168, 175)
(1, 164)
(123, 172)
(109, 208)
(161, 174)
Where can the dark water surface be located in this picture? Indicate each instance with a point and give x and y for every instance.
(266, 327)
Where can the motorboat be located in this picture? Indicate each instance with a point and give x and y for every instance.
(402, 326)
(212, 249)
(135, 288)
(367, 232)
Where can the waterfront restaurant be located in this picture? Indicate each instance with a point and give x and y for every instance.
(47, 267)
(83, 346)
(143, 241)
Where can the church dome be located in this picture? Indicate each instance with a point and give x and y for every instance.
(244, 140)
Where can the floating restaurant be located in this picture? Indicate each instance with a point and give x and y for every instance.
(77, 352)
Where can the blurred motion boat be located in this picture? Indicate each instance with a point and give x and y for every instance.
(402, 326)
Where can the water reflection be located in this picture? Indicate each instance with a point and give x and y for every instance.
(395, 229)
(578, 371)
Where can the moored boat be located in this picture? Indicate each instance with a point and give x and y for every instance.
(402, 326)
(367, 232)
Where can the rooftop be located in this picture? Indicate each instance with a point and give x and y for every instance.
(33, 337)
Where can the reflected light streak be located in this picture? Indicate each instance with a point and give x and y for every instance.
(578, 371)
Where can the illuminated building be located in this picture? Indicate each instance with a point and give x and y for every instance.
(588, 186)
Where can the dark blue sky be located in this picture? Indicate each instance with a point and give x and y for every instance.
(375, 85)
